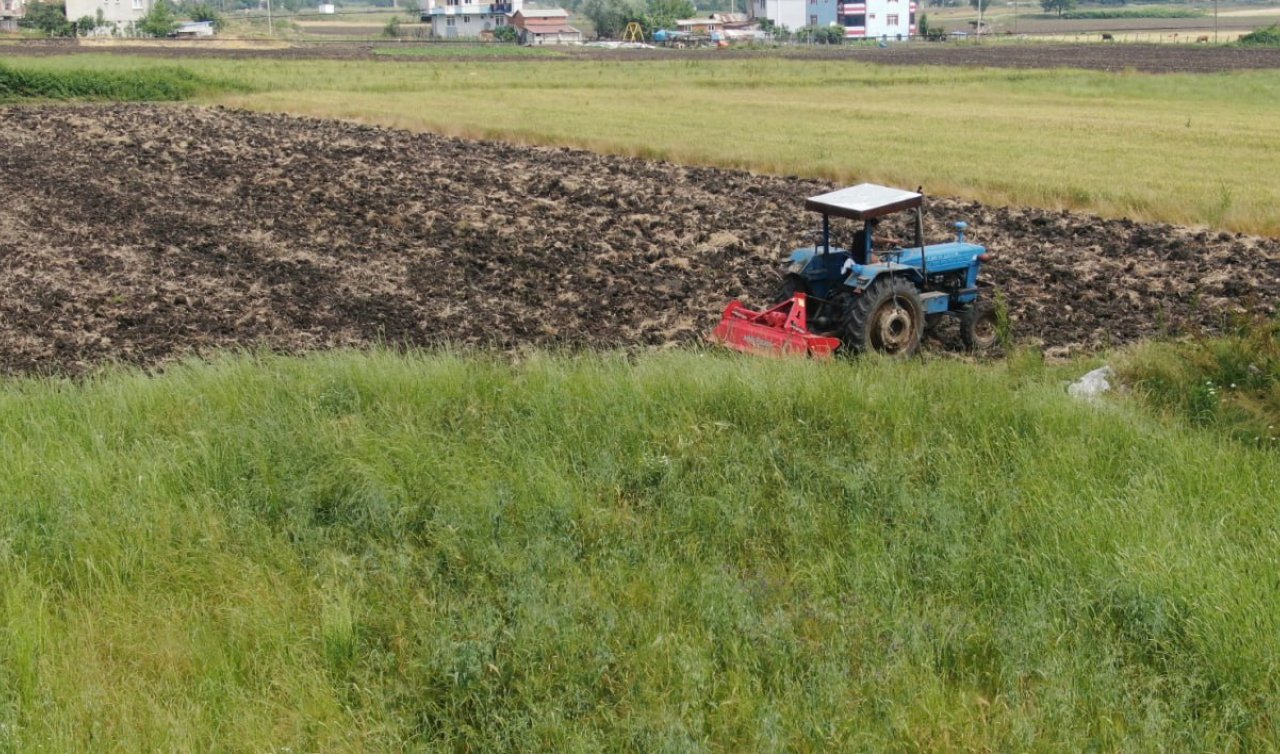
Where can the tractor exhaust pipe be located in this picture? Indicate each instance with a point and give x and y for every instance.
(924, 265)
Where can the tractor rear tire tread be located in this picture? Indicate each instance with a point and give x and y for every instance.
(790, 286)
(865, 310)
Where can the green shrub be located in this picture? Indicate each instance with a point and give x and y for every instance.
(1267, 36)
(204, 11)
(50, 18)
(160, 21)
(1232, 382)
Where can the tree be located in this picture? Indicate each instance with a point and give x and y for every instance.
(1061, 6)
(85, 25)
(663, 14)
(922, 27)
(50, 18)
(204, 11)
(981, 5)
(610, 17)
(506, 34)
(159, 21)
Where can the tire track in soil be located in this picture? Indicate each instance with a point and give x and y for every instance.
(139, 233)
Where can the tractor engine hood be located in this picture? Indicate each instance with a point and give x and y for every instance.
(942, 257)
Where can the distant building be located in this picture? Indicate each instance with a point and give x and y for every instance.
(878, 19)
(789, 13)
(122, 13)
(869, 19)
(10, 13)
(700, 25)
(731, 21)
(456, 18)
(545, 27)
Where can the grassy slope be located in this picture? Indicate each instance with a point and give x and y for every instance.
(1185, 148)
(676, 552)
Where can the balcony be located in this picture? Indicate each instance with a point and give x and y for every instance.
(472, 9)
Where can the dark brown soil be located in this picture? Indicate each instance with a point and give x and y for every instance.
(137, 233)
(1153, 58)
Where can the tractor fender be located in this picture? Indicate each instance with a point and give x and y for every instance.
(799, 260)
(861, 276)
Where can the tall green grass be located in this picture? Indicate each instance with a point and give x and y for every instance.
(1231, 383)
(664, 552)
(165, 83)
(437, 50)
(1157, 11)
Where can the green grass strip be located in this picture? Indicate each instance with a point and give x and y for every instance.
(142, 84)
(667, 552)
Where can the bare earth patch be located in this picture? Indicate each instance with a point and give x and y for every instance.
(139, 233)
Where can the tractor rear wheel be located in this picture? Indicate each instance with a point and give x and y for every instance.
(887, 318)
(790, 286)
(978, 326)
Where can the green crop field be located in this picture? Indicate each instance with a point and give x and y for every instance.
(1181, 148)
(679, 552)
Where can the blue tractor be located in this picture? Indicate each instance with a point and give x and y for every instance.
(882, 300)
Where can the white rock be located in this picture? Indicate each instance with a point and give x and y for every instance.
(1093, 384)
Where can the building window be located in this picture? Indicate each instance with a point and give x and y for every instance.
(449, 20)
(500, 21)
(857, 21)
(813, 20)
(137, 4)
(891, 19)
(466, 19)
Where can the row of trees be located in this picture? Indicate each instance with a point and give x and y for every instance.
(610, 17)
(160, 21)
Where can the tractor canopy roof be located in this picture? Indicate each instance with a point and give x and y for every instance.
(864, 201)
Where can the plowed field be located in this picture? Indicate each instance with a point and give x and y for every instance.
(137, 233)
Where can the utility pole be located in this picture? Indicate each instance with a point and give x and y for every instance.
(1215, 21)
(271, 30)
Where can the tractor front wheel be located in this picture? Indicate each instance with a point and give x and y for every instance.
(978, 327)
(887, 318)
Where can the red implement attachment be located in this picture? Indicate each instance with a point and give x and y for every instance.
(780, 331)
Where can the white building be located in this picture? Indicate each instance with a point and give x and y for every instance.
(458, 18)
(10, 12)
(119, 12)
(878, 19)
(861, 19)
(789, 13)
